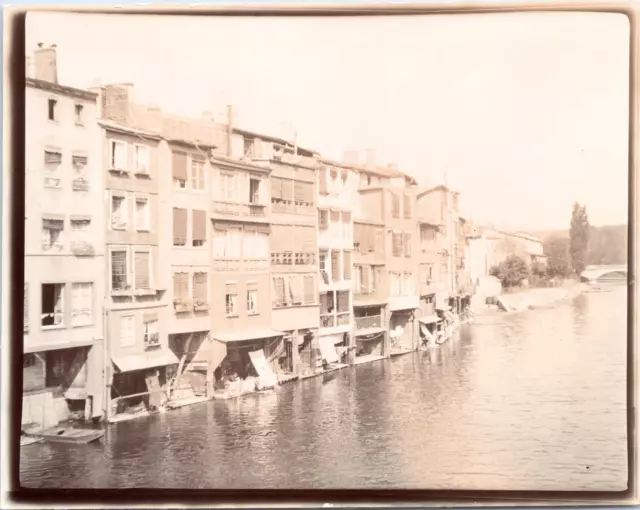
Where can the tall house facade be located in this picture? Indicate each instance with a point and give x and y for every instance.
(337, 184)
(241, 301)
(186, 186)
(63, 341)
(401, 248)
(137, 311)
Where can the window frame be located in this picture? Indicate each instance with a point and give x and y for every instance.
(91, 308)
(151, 288)
(132, 341)
(139, 197)
(147, 150)
(113, 144)
(252, 289)
(78, 110)
(125, 210)
(234, 312)
(128, 287)
(63, 305)
(52, 104)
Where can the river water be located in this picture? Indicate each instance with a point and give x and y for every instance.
(535, 402)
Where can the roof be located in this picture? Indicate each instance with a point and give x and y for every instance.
(127, 130)
(383, 171)
(238, 164)
(439, 187)
(61, 89)
(269, 138)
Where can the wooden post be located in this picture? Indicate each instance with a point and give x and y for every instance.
(351, 353)
(295, 354)
(210, 369)
(386, 322)
(313, 353)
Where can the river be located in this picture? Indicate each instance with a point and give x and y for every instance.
(536, 402)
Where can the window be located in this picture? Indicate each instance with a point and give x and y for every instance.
(79, 161)
(118, 155)
(231, 298)
(255, 245)
(119, 270)
(81, 304)
(52, 305)
(395, 205)
(79, 114)
(52, 157)
(25, 327)
(198, 228)
(323, 255)
(52, 109)
(303, 194)
(309, 290)
(142, 270)
(52, 230)
(252, 298)
(407, 284)
(151, 333)
(228, 187)
(127, 331)
(200, 289)
(278, 285)
(295, 289)
(407, 206)
(254, 191)
(180, 288)
(357, 279)
(407, 245)
(142, 213)
(396, 244)
(248, 144)
(197, 173)
(179, 226)
(335, 265)
(179, 169)
(227, 244)
(343, 301)
(395, 281)
(118, 212)
(141, 155)
(346, 265)
(323, 220)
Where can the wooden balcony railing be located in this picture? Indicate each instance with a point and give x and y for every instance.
(233, 209)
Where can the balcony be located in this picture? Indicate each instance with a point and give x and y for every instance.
(151, 341)
(331, 320)
(253, 212)
(372, 321)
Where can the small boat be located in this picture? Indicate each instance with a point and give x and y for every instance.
(26, 440)
(69, 435)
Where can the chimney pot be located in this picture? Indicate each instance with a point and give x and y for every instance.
(46, 66)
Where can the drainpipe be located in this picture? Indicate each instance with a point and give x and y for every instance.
(229, 129)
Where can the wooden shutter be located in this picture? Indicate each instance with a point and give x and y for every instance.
(179, 226)
(200, 287)
(366, 285)
(395, 205)
(287, 189)
(335, 265)
(278, 283)
(396, 240)
(276, 188)
(346, 265)
(407, 245)
(141, 268)
(303, 192)
(281, 238)
(199, 225)
(309, 290)
(179, 165)
(407, 206)
(343, 301)
(295, 289)
(323, 219)
(180, 286)
(322, 180)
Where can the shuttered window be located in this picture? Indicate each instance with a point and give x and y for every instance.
(343, 301)
(322, 180)
(81, 304)
(119, 272)
(303, 194)
(276, 189)
(396, 242)
(142, 270)
(200, 288)
(309, 290)
(346, 265)
(407, 245)
(304, 241)
(335, 265)
(323, 220)
(365, 287)
(407, 206)
(180, 287)
(395, 205)
(179, 226)
(179, 168)
(295, 289)
(199, 227)
(278, 285)
(287, 190)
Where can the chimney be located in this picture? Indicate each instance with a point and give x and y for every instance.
(46, 65)
(350, 157)
(115, 102)
(229, 129)
(370, 161)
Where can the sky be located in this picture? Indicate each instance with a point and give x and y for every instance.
(522, 113)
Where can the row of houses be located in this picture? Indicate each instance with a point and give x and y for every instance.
(166, 256)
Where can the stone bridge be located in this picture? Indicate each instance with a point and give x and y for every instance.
(596, 273)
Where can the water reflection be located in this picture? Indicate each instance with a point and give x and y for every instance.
(525, 404)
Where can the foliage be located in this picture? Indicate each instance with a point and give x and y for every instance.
(607, 245)
(511, 272)
(579, 238)
(557, 249)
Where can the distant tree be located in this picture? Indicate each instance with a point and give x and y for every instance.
(511, 272)
(607, 245)
(579, 238)
(557, 251)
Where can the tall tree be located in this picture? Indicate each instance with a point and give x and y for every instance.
(557, 249)
(579, 238)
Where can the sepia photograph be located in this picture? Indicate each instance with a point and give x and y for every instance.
(326, 252)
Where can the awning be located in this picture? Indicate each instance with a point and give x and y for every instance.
(429, 319)
(267, 378)
(245, 335)
(131, 362)
(425, 332)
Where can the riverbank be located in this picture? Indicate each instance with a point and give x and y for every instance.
(532, 298)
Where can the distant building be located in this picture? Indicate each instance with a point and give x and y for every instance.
(63, 341)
